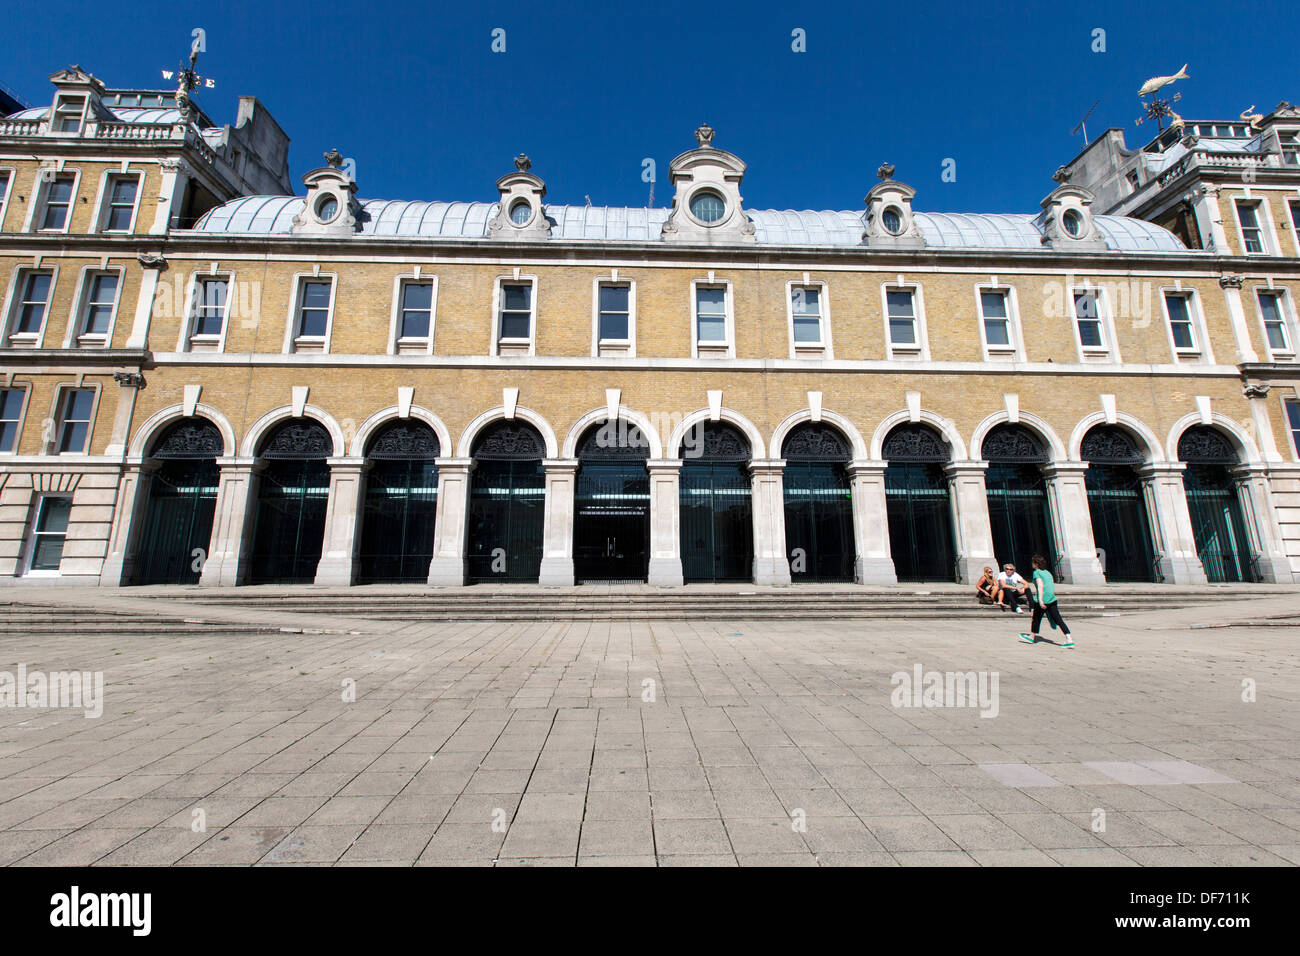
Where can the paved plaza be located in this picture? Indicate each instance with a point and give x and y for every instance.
(1163, 738)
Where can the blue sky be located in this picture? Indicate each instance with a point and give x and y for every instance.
(414, 93)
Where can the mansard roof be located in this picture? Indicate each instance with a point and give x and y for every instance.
(273, 215)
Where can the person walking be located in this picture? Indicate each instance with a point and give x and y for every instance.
(1044, 591)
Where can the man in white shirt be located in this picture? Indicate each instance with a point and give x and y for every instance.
(1012, 588)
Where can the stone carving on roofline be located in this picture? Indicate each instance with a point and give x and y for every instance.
(889, 223)
(521, 214)
(331, 209)
(707, 205)
(1066, 221)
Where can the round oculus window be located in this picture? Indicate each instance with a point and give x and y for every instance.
(892, 220)
(707, 207)
(1073, 223)
(327, 208)
(521, 212)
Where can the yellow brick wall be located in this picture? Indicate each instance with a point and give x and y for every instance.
(84, 211)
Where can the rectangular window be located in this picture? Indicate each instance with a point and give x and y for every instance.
(314, 309)
(417, 310)
(1252, 236)
(4, 195)
(68, 113)
(1293, 422)
(58, 197)
(120, 203)
(806, 309)
(75, 406)
(1179, 307)
(516, 318)
(49, 531)
(997, 319)
(902, 317)
(209, 307)
(33, 300)
(711, 314)
(1272, 310)
(1087, 315)
(100, 297)
(1295, 211)
(615, 310)
(11, 416)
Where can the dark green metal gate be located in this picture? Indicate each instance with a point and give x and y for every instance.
(401, 505)
(182, 501)
(507, 505)
(918, 505)
(292, 500)
(717, 524)
(818, 504)
(611, 523)
(1019, 514)
(1218, 521)
(1121, 527)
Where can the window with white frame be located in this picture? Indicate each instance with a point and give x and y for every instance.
(415, 312)
(711, 315)
(76, 405)
(209, 300)
(806, 316)
(1294, 204)
(311, 322)
(1292, 406)
(515, 313)
(901, 307)
(69, 111)
(49, 532)
(1252, 232)
(995, 313)
(30, 306)
(11, 417)
(1089, 321)
(1289, 140)
(56, 203)
(1182, 321)
(6, 178)
(614, 312)
(1273, 313)
(99, 299)
(119, 203)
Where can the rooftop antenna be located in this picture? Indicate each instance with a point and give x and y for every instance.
(1082, 125)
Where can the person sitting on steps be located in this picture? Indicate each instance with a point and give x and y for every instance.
(1011, 587)
(986, 588)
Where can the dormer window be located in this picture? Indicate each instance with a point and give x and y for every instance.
(521, 212)
(1072, 223)
(68, 114)
(892, 220)
(707, 206)
(327, 207)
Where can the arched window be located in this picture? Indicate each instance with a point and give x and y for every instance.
(401, 503)
(507, 503)
(1121, 526)
(1019, 513)
(181, 503)
(918, 505)
(717, 525)
(818, 504)
(292, 500)
(1218, 518)
(611, 522)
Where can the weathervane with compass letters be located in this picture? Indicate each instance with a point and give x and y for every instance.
(187, 79)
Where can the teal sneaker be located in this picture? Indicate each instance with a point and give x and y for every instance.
(1068, 642)
(1027, 638)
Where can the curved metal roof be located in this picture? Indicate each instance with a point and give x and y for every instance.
(271, 215)
(123, 114)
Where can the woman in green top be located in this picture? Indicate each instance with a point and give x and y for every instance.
(1044, 591)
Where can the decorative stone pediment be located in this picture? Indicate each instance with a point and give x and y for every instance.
(707, 205)
(331, 208)
(521, 213)
(75, 76)
(889, 221)
(1066, 221)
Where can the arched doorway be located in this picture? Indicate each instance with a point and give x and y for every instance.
(1121, 525)
(1218, 523)
(182, 501)
(611, 521)
(507, 504)
(917, 502)
(292, 500)
(717, 521)
(818, 504)
(401, 504)
(1019, 514)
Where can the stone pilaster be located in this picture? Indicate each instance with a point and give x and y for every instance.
(557, 523)
(1067, 498)
(1167, 503)
(1260, 511)
(971, 518)
(447, 569)
(1231, 285)
(873, 561)
(337, 564)
(771, 564)
(665, 522)
(232, 525)
(132, 502)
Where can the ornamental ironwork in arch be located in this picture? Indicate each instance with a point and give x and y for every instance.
(509, 441)
(299, 438)
(714, 441)
(1202, 444)
(190, 438)
(1014, 443)
(815, 441)
(1110, 445)
(404, 440)
(614, 440)
(915, 443)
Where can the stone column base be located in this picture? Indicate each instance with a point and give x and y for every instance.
(334, 572)
(1178, 569)
(556, 573)
(874, 571)
(1081, 570)
(447, 573)
(1275, 569)
(665, 573)
(772, 571)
